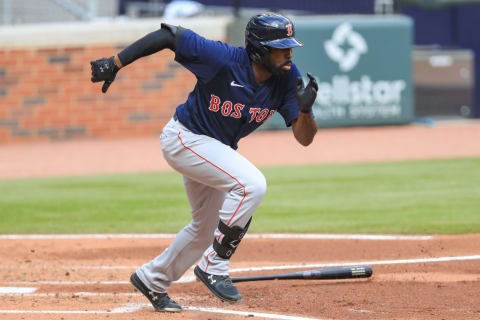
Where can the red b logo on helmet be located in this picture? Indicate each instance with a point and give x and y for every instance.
(289, 29)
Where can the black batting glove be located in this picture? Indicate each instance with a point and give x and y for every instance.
(104, 69)
(306, 96)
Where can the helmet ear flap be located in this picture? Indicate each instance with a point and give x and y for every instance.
(257, 53)
(252, 53)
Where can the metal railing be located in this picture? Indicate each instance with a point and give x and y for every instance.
(27, 11)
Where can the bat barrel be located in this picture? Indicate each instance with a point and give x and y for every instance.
(340, 273)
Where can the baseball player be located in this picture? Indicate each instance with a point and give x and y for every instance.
(237, 90)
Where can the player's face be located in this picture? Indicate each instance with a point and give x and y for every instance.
(281, 58)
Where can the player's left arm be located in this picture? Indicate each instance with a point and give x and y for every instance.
(305, 126)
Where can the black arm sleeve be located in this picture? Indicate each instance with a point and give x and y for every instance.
(166, 37)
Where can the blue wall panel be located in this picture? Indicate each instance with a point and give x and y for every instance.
(315, 6)
(433, 27)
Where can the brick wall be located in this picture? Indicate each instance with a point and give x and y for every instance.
(46, 94)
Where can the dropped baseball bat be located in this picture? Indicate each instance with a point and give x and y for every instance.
(320, 274)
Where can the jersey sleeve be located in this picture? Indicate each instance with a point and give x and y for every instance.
(203, 57)
(289, 107)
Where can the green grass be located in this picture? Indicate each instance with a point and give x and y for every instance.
(440, 196)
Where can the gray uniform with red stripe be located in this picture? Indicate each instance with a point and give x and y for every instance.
(200, 141)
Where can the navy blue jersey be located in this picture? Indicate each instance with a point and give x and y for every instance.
(227, 103)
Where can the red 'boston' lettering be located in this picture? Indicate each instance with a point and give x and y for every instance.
(238, 111)
(262, 115)
(226, 108)
(253, 112)
(214, 103)
(272, 112)
(229, 109)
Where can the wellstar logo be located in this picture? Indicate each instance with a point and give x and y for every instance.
(345, 47)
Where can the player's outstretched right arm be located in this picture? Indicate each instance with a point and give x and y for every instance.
(106, 69)
(305, 127)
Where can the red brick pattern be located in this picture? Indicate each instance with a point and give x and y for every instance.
(47, 95)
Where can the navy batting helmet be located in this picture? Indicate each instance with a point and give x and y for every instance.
(269, 30)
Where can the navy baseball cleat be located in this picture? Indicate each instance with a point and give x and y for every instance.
(220, 286)
(160, 301)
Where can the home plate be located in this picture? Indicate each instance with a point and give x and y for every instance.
(17, 290)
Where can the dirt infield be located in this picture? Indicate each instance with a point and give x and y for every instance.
(87, 278)
(89, 275)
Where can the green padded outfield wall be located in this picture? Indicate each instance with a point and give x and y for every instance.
(362, 64)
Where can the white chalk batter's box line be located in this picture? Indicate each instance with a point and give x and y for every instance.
(191, 278)
(129, 308)
(248, 236)
(30, 292)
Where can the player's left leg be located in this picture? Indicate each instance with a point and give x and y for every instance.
(190, 242)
